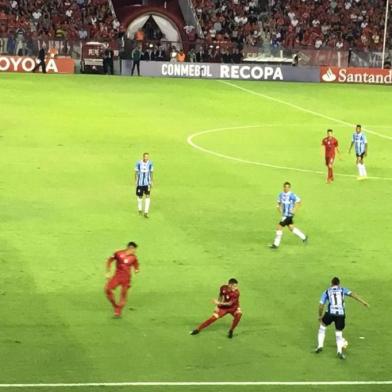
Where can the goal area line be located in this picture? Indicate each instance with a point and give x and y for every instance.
(195, 384)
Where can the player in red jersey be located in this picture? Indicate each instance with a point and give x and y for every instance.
(227, 303)
(330, 145)
(125, 260)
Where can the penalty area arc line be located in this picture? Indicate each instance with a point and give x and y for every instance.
(191, 142)
(195, 383)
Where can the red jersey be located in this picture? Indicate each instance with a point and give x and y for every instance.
(229, 295)
(124, 263)
(330, 145)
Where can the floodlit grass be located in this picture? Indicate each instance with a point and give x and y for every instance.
(68, 145)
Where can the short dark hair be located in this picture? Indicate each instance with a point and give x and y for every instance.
(335, 281)
(329, 130)
(145, 153)
(358, 126)
(286, 183)
(233, 281)
(133, 244)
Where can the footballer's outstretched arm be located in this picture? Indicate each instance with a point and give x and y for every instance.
(359, 299)
(297, 204)
(109, 262)
(321, 311)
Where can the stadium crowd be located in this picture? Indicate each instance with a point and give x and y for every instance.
(228, 26)
(333, 24)
(25, 21)
(311, 24)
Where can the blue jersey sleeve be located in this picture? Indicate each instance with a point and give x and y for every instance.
(279, 199)
(353, 138)
(364, 138)
(324, 298)
(295, 198)
(346, 291)
(151, 167)
(137, 166)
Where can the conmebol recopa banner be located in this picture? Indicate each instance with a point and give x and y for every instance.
(355, 75)
(225, 71)
(27, 64)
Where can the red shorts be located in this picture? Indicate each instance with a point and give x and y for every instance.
(116, 281)
(221, 312)
(329, 160)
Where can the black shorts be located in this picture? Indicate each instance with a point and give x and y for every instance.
(143, 190)
(287, 221)
(360, 155)
(340, 321)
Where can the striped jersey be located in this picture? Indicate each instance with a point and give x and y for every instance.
(144, 170)
(335, 298)
(359, 140)
(287, 200)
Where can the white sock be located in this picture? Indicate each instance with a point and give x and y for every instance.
(139, 203)
(299, 233)
(359, 169)
(278, 237)
(146, 205)
(364, 170)
(339, 341)
(321, 336)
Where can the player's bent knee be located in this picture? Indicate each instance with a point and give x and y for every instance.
(216, 315)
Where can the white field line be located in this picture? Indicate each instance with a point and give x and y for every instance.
(218, 154)
(197, 384)
(302, 109)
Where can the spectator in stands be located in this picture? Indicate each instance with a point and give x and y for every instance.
(20, 43)
(192, 56)
(108, 61)
(181, 56)
(11, 46)
(139, 35)
(226, 56)
(236, 56)
(160, 54)
(190, 32)
(149, 53)
(200, 55)
(136, 57)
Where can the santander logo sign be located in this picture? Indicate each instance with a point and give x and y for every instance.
(356, 75)
(328, 76)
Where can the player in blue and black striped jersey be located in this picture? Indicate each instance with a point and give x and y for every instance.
(288, 203)
(359, 141)
(334, 297)
(143, 181)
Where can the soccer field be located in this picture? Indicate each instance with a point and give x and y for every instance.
(68, 145)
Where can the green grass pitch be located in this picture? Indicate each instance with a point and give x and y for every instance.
(68, 145)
